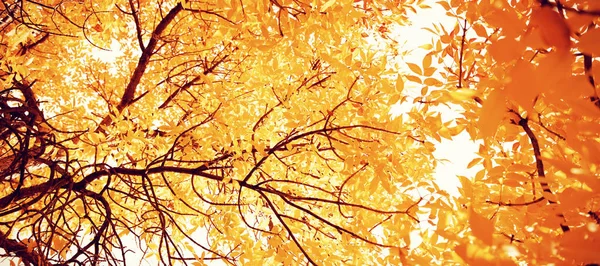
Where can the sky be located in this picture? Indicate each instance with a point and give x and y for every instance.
(454, 155)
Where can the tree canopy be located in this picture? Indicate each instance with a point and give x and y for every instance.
(259, 132)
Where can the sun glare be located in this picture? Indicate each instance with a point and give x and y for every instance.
(455, 154)
(109, 55)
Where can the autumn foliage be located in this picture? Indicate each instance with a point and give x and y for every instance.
(261, 133)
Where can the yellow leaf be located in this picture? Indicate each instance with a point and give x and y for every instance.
(394, 99)
(415, 68)
(431, 82)
(427, 46)
(466, 185)
(428, 71)
(474, 162)
(374, 184)
(399, 84)
(327, 5)
(386, 184)
(427, 61)
(414, 79)
(463, 94)
(445, 133)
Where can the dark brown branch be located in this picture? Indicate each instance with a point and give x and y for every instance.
(538, 156)
(548, 129)
(192, 82)
(512, 238)
(288, 140)
(138, 29)
(523, 122)
(460, 60)
(571, 9)
(65, 182)
(143, 62)
(337, 227)
(335, 202)
(499, 203)
(28, 255)
(287, 228)
(25, 48)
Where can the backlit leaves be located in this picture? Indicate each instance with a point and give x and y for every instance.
(530, 84)
(491, 114)
(552, 28)
(587, 42)
(481, 227)
(259, 132)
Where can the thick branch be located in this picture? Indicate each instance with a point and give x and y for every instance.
(136, 20)
(129, 93)
(65, 182)
(536, 152)
(29, 256)
(547, 192)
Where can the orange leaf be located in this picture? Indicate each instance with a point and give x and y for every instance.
(588, 43)
(506, 19)
(506, 50)
(481, 256)
(481, 227)
(553, 28)
(480, 30)
(97, 27)
(491, 114)
(523, 87)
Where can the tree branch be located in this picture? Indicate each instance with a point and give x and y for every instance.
(27, 254)
(143, 62)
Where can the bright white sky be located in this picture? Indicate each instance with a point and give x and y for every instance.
(454, 155)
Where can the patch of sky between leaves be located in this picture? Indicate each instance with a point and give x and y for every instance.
(453, 155)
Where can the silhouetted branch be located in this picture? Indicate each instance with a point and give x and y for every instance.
(143, 62)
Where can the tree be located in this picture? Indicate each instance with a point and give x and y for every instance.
(254, 132)
(525, 75)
